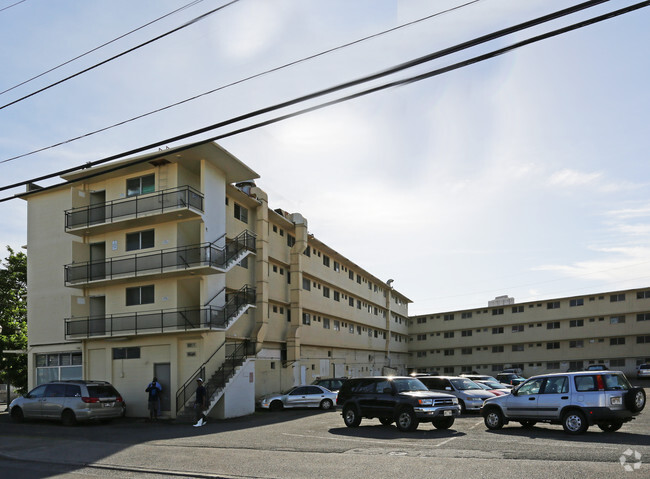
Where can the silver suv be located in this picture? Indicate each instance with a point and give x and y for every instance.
(69, 402)
(575, 400)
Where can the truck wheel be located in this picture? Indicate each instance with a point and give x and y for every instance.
(574, 422)
(351, 417)
(406, 420)
(493, 419)
(444, 423)
(610, 426)
(635, 399)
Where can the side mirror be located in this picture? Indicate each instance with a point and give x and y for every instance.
(514, 392)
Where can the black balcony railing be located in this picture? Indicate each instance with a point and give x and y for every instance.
(172, 259)
(161, 321)
(161, 201)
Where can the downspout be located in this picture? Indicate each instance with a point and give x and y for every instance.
(261, 268)
(295, 292)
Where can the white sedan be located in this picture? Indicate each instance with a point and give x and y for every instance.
(300, 396)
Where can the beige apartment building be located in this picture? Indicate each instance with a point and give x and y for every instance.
(173, 264)
(538, 337)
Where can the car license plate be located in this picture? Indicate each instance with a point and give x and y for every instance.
(109, 404)
(446, 413)
(617, 401)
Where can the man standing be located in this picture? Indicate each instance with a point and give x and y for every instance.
(154, 389)
(200, 403)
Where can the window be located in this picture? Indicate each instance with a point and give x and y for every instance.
(559, 385)
(517, 309)
(467, 332)
(140, 240)
(449, 352)
(553, 345)
(497, 330)
(616, 341)
(449, 334)
(643, 317)
(553, 365)
(448, 317)
(141, 185)
(553, 325)
(517, 347)
(337, 296)
(497, 349)
(241, 213)
(497, 311)
(306, 318)
(326, 261)
(616, 319)
(421, 320)
(326, 323)
(576, 344)
(351, 302)
(576, 302)
(643, 340)
(58, 366)
(576, 323)
(466, 315)
(126, 353)
(326, 292)
(337, 325)
(518, 328)
(466, 351)
(306, 284)
(140, 295)
(615, 298)
(643, 295)
(553, 305)
(422, 354)
(291, 240)
(351, 274)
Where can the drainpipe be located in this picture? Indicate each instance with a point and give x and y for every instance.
(295, 292)
(261, 268)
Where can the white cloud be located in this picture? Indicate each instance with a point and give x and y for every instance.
(571, 178)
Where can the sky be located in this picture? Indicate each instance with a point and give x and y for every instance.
(525, 175)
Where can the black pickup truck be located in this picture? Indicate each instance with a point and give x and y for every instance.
(403, 400)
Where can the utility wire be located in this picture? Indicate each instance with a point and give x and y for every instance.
(191, 4)
(12, 5)
(257, 75)
(385, 86)
(185, 25)
(392, 70)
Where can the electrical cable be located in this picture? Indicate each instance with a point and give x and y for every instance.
(191, 4)
(12, 5)
(406, 81)
(185, 25)
(257, 75)
(395, 69)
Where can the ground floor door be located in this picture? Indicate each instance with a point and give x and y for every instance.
(162, 371)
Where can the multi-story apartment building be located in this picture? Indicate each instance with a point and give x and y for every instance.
(538, 336)
(172, 265)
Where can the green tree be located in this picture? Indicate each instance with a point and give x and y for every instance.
(13, 319)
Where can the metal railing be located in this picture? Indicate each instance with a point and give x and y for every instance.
(171, 259)
(161, 201)
(160, 321)
(235, 353)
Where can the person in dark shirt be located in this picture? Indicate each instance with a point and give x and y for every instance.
(200, 403)
(154, 389)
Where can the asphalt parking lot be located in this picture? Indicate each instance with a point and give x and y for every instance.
(313, 444)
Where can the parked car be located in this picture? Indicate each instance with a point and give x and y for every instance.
(643, 371)
(333, 384)
(511, 379)
(470, 395)
(69, 402)
(394, 399)
(479, 377)
(516, 371)
(494, 387)
(575, 400)
(299, 396)
(597, 367)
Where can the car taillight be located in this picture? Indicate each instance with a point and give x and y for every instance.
(118, 399)
(89, 399)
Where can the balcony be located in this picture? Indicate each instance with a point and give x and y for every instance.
(183, 201)
(203, 258)
(162, 321)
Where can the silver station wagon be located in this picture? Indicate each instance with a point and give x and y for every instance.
(69, 402)
(575, 400)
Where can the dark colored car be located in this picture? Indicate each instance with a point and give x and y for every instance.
(403, 400)
(510, 378)
(333, 384)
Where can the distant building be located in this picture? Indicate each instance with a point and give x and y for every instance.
(552, 335)
(172, 264)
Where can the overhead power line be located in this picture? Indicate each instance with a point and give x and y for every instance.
(191, 4)
(385, 86)
(222, 87)
(12, 5)
(191, 22)
(392, 70)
